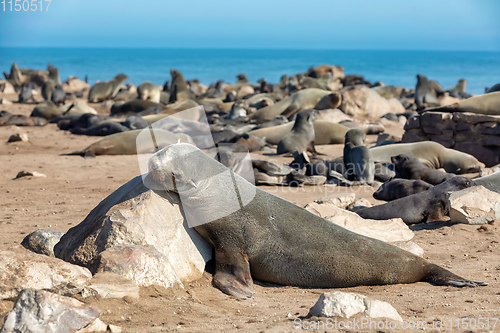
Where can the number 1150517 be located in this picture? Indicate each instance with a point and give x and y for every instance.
(25, 5)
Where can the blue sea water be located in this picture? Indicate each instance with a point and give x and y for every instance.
(480, 69)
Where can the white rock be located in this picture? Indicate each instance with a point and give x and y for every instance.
(111, 285)
(96, 326)
(346, 305)
(393, 230)
(23, 269)
(474, 205)
(340, 200)
(76, 108)
(25, 173)
(380, 309)
(7, 88)
(141, 264)
(365, 102)
(42, 311)
(4, 101)
(149, 226)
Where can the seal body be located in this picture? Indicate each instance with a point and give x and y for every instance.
(357, 158)
(105, 90)
(428, 206)
(273, 240)
(301, 138)
(400, 188)
(409, 167)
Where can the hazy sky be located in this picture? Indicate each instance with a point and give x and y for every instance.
(325, 24)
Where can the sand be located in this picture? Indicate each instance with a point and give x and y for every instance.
(75, 185)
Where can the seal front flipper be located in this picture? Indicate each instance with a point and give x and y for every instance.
(232, 274)
(443, 277)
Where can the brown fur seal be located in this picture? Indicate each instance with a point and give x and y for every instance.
(410, 167)
(425, 94)
(102, 91)
(400, 188)
(311, 98)
(325, 132)
(432, 154)
(357, 158)
(301, 137)
(483, 104)
(149, 91)
(427, 206)
(179, 89)
(125, 143)
(267, 238)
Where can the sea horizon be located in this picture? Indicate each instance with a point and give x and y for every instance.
(392, 67)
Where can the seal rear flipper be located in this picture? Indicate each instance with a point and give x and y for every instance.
(232, 274)
(442, 277)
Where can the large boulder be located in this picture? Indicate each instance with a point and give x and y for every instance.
(475, 205)
(22, 269)
(361, 101)
(139, 233)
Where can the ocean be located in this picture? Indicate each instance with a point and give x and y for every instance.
(399, 68)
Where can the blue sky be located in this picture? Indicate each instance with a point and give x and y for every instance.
(322, 24)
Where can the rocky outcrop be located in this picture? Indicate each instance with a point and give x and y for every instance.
(475, 134)
(138, 233)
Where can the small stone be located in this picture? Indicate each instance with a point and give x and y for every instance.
(18, 137)
(96, 326)
(346, 305)
(4, 101)
(114, 329)
(24, 173)
(42, 241)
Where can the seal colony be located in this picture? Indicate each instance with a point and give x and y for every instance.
(268, 238)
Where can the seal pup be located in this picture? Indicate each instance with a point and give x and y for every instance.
(301, 138)
(26, 93)
(102, 91)
(270, 239)
(428, 206)
(400, 188)
(358, 159)
(410, 167)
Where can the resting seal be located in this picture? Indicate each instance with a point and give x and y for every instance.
(301, 138)
(410, 167)
(483, 104)
(325, 133)
(125, 143)
(400, 188)
(318, 99)
(427, 206)
(432, 154)
(273, 240)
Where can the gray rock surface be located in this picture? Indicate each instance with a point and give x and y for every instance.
(40, 311)
(42, 241)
